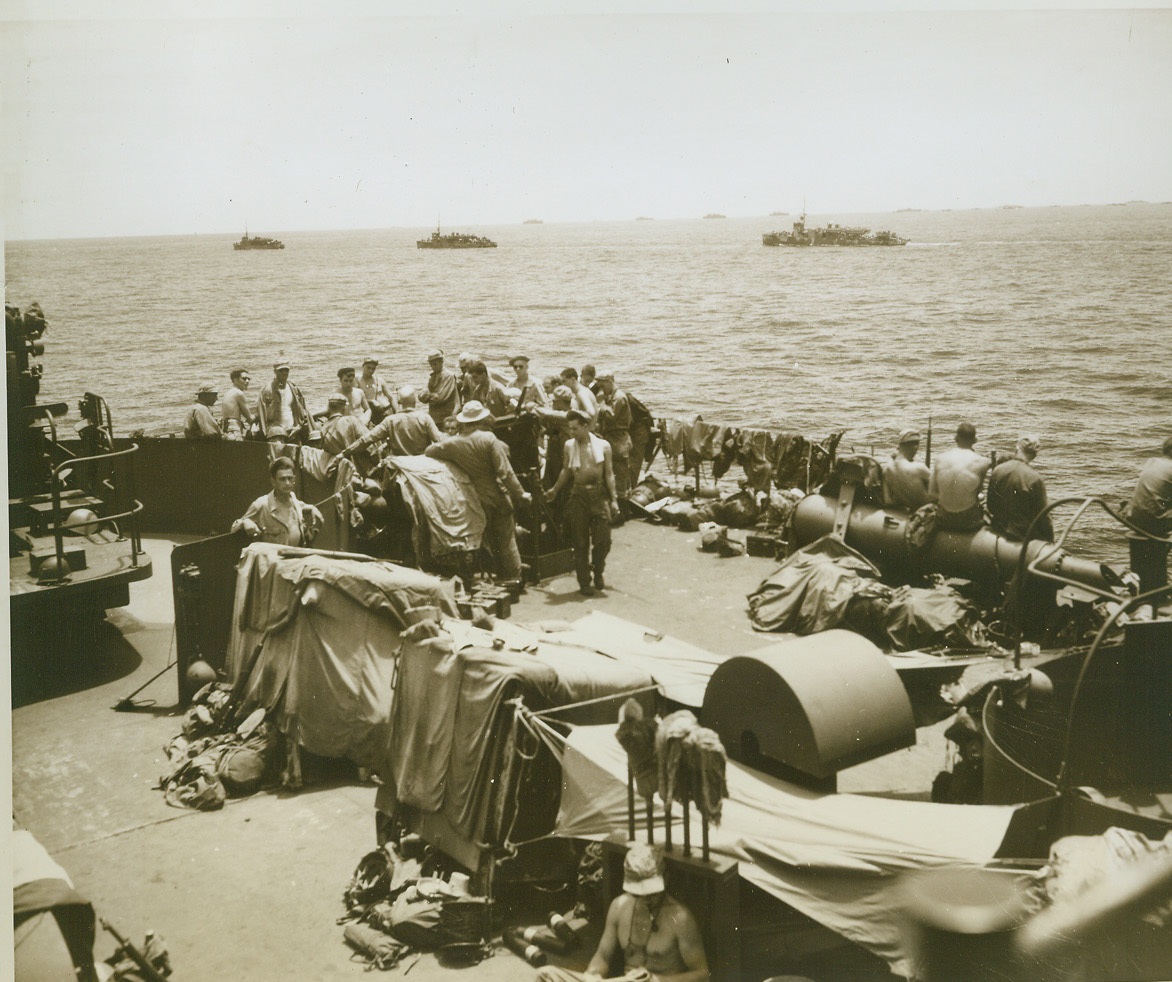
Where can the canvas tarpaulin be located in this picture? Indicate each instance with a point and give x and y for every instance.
(450, 733)
(832, 857)
(316, 636)
(442, 499)
(681, 669)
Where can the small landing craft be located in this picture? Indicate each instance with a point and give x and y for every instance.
(258, 242)
(455, 240)
(831, 235)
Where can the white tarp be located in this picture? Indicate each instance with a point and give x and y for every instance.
(832, 857)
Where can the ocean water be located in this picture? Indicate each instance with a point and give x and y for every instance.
(1056, 321)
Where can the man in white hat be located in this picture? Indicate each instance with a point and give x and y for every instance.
(485, 459)
(905, 479)
(201, 423)
(378, 394)
(656, 935)
(280, 406)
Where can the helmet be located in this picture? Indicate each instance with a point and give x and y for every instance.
(199, 674)
(83, 521)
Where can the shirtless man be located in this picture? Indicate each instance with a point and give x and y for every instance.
(593, 501)
(957, 477)
(905, 480)
(657, 935)
(378, 396)
(234, 407)
(584, 400)
(356, 401)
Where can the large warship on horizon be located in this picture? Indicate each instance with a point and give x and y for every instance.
(257, 242)
(831, 235)
(455, 240)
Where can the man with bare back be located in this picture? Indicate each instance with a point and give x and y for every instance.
(957, 477)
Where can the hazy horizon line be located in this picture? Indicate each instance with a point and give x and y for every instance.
(712, 216)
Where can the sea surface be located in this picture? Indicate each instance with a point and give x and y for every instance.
(1056, 321)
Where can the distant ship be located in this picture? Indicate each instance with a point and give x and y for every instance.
(532, 221)
(778, 214)
(455, 240)
(713, 214)
(257, 242)
(831, 235)
(644, 218)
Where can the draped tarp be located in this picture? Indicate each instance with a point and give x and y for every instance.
(681, 669)
(442, 498)
(833, 857)
(811, 590)
(316, 637)
(450, 731)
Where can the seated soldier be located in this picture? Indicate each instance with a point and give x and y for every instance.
(657, 935)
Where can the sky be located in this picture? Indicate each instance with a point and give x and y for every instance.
(151, 120)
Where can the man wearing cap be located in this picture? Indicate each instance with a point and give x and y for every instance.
(656, 935)
(553, 420)
(379, 396)
(441, 394)
(201, 423)
(905, 480)
(237, 415)
(955, 484)
(280, 407)
(614, 426)
(406, 433)
(592, 503)
(340, 429)
(530, 393)
(1017, 495)
(1150, 509)
(485, 459)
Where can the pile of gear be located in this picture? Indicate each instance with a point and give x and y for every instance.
(215, 758)
(397, 903)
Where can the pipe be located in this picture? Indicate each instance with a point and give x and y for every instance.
(880, 535)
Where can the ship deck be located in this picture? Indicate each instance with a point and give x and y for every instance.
(253, 891)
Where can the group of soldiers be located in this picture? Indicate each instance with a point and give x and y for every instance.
(1015, 496)
(586, 418)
